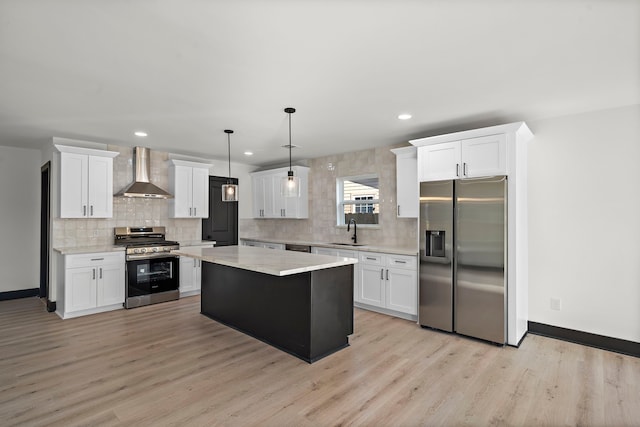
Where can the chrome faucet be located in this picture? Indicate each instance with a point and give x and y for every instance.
(355, 236)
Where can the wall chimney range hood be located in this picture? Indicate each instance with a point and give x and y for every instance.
(142, 187)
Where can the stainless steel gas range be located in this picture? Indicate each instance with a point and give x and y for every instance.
(152, 272)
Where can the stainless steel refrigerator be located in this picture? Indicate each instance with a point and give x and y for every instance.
(463, 237)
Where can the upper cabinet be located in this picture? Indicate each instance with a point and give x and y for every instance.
(189, 184)
(268, 201)
(467, 158)
(86, 182)
(407, 193)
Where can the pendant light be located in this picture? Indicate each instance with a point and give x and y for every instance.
(229, 190)
(290, 185)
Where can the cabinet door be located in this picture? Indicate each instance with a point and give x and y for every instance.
(200, 193)
(407, 193)
(484, 156)
(439, 161)
(80, 288)
(372, 284)
(401, 292)
(110, 284)
(182, 192)
(197, 276)
(74, 169)
(187, 274)
(100, 192)
(258, 184)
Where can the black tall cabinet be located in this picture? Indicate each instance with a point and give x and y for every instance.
(222, 224)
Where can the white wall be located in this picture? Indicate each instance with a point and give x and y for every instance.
(19, 218)
(584, 222)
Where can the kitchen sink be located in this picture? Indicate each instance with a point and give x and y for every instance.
(346, 244)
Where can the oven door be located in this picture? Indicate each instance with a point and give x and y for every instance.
(152, 275)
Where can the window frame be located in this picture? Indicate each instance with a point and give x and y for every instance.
(341, 203)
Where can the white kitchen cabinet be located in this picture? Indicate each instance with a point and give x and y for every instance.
(86, 182)
(389, 282)
(191, 273)
(93, 283)
(407, 191)
(267, 245)
(268, 201)
(189, 184)
(468, 158)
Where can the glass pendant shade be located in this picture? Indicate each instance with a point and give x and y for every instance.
(229, 193)
(290, 185)
(229, 190)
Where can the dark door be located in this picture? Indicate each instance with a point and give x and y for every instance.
(222, 224)
(45, 180)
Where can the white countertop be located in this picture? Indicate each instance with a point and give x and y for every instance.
(89, 249)
(388, 249)
(277, 263)
(186, 243)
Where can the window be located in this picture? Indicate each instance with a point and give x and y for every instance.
(358, 199)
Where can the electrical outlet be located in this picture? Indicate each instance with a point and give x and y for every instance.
(556, 304)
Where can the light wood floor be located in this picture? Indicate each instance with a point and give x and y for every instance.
(168, 365)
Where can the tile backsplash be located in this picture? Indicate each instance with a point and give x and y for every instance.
(321, 225)
(128, 211)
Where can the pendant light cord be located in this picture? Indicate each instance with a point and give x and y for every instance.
(289, 141)
(229, 132)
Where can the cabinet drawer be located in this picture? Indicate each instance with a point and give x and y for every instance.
(402, 261)
(370, 258)
(99, 258)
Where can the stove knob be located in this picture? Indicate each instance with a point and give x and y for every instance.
(143, 250)
(155, 249)
(136, 251)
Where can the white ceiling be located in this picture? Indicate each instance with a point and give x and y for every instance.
(185, 70)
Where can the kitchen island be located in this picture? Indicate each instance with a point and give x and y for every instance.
(298, 302)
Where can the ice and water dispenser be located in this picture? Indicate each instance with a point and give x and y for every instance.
(434, 243)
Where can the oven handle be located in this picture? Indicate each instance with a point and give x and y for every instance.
(150, 256)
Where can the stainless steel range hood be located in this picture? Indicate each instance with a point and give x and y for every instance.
(142, 187)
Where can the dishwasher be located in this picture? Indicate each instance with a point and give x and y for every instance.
(298, 248)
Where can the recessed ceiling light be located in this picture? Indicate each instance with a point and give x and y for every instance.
(140, 134)
(248, 153)
(404, 116)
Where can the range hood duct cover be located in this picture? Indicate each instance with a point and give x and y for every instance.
(142, 187)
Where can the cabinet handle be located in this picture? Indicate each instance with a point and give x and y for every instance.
(195, 211)
(464, 169)
(382, 274)
(97, 259)
(457, 169)
(101, 272)
(194, 263)
(398, 210)
(400, 262)
(91, 210)
(94, 274)
(371, 259)
(190, 212)
(387, 274)
(84, 210)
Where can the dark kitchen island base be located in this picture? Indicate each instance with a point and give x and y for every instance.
(309, 315)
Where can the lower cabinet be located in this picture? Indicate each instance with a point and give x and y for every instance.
(267, 245)
(191, 273)
(389, 282)
(92, 283)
